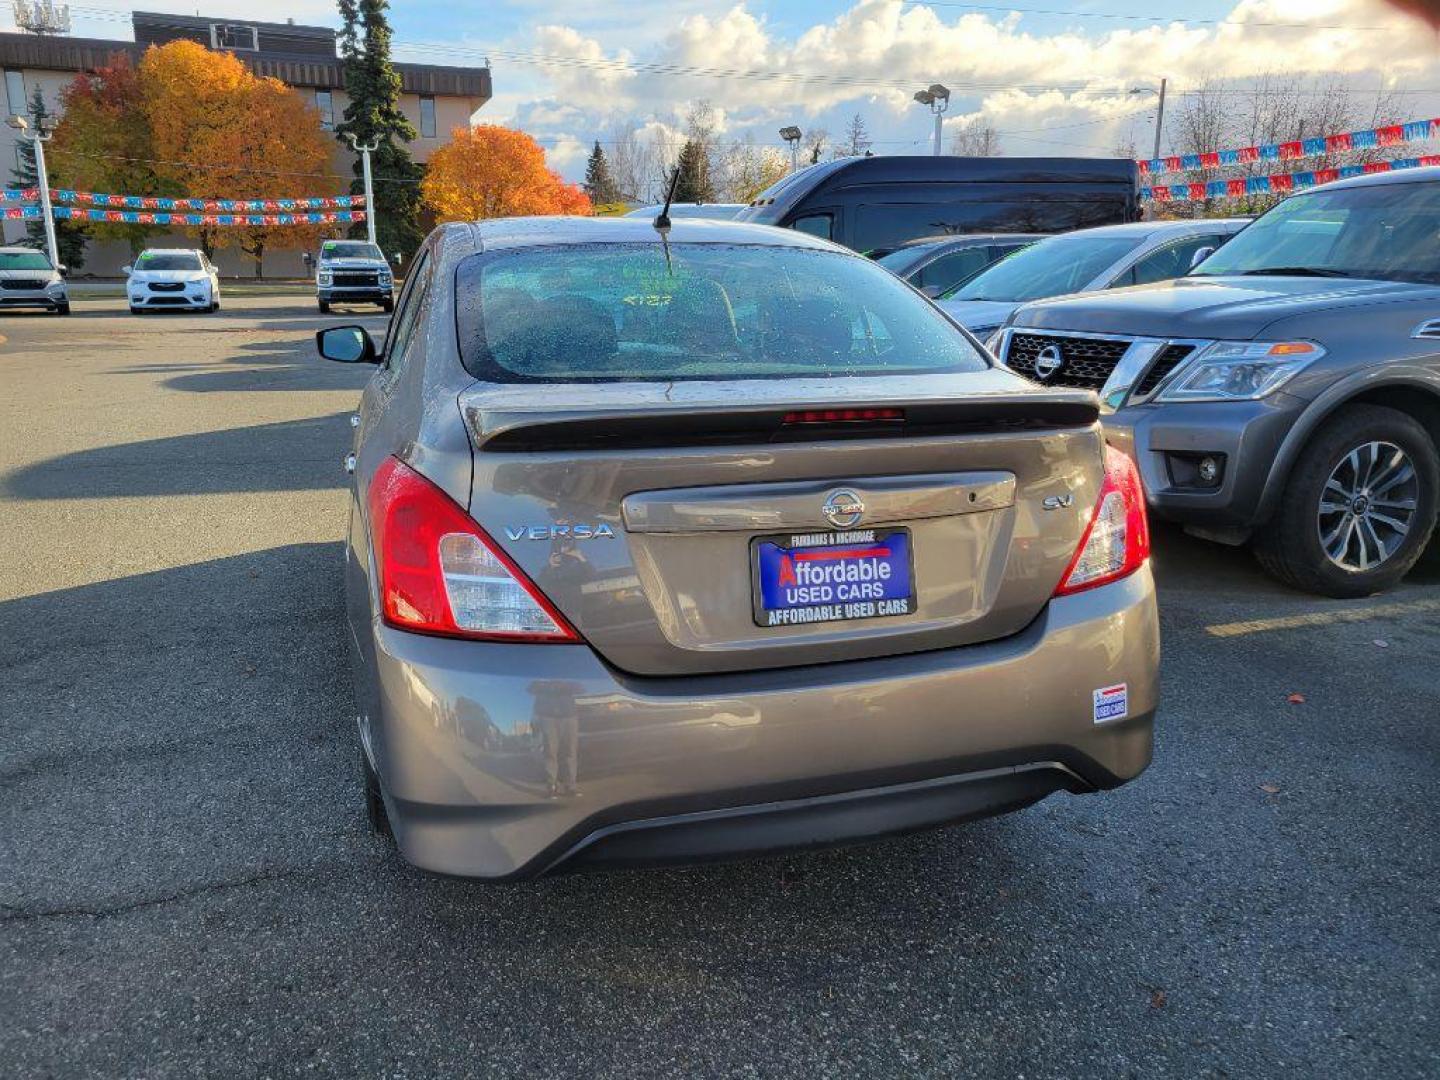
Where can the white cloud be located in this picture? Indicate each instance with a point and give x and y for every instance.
(1052, 93)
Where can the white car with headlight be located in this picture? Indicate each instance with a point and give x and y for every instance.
(172, 278)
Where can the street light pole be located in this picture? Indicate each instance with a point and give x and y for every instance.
(364, 150)
(1159, 112)
(792, 136)
(1160, 118)
(937, 98)
(38, 139)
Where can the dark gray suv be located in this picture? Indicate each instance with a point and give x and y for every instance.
(1287, 392)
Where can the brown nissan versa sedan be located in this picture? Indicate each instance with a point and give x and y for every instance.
(731, 542)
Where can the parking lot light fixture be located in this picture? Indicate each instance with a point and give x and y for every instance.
(38, 137)
(792, 135)
(1159, 110)
(365, 150)
(937, 97)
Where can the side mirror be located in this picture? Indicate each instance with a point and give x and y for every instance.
(346, 345)
(127, 269)
(63, 270)
(1201, 254)
(932, 291)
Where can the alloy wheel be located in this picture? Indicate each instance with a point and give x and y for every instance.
(1367, 506)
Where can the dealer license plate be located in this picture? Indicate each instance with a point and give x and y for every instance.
(802, 578)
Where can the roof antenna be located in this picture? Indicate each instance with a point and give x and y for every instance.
(662, 221)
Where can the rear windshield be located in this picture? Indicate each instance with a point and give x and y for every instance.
(179, 260)
(23, 260)
(623, 312)
(349, 249)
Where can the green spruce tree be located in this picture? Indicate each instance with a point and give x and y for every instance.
(374, 115)
(694, 185)
(599, 182)
(69, 238)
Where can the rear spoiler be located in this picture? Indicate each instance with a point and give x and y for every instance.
(514, 430)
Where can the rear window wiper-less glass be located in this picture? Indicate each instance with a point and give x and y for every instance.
(1294, 271)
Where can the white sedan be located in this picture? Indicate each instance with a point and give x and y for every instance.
(172, 278)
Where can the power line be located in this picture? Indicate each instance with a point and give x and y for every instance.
(1118, 16)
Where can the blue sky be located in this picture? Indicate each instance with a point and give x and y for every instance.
(1049, 83)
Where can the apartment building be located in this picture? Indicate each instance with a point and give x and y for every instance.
(436, 98)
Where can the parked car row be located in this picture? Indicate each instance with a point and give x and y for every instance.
(1284, 393)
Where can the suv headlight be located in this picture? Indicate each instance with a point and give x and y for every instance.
(325, 277)
(385, 278)
(1241, 370)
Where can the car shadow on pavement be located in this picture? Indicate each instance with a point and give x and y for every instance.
(292, 455)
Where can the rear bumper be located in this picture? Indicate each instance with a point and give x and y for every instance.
(503, 761)
(1244, 436)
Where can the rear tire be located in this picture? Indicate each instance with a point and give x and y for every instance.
(375, 814)
(62, 309)
(1344, 466)
(136, 311)
(387, 305)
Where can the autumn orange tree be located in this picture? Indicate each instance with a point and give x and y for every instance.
(491, 171)
(224, 132)
(103, 143)
(189, 122)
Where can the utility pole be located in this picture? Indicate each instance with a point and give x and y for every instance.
(937, 98)
(365, 150)
(38, 139)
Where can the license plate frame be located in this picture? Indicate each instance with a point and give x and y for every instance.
(849, 610)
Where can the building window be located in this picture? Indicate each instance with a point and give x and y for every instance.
(326, 105)
(427, 116)
(15, 92)
(236, 38)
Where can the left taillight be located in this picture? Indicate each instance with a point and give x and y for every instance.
(1117, 539)
(441, 574)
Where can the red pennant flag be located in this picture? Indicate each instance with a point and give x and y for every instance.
(1389, 136)
(1289, 150)
(1250, 153)
(1282, 182)
(1174, 164)
(1235, 188)
(1210, 161)
(1160, 192)
(1197, 191)
(1377, 166)
(1325, 176)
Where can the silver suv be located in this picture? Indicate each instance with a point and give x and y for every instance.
(727, 543)
(353, 272)
(27, 279)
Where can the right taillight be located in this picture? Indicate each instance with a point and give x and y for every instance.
(441, 574)
(1117, 539)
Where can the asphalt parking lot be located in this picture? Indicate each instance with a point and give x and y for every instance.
(187, 887)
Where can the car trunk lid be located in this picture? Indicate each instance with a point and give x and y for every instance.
(642, 510)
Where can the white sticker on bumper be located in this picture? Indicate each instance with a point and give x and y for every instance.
(1111, 703)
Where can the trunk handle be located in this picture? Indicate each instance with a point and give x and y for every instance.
(798, 504)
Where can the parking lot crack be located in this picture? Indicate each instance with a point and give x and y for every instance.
(13, 913)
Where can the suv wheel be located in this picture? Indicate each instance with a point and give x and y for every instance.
(1358, 508)
(324, 308)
